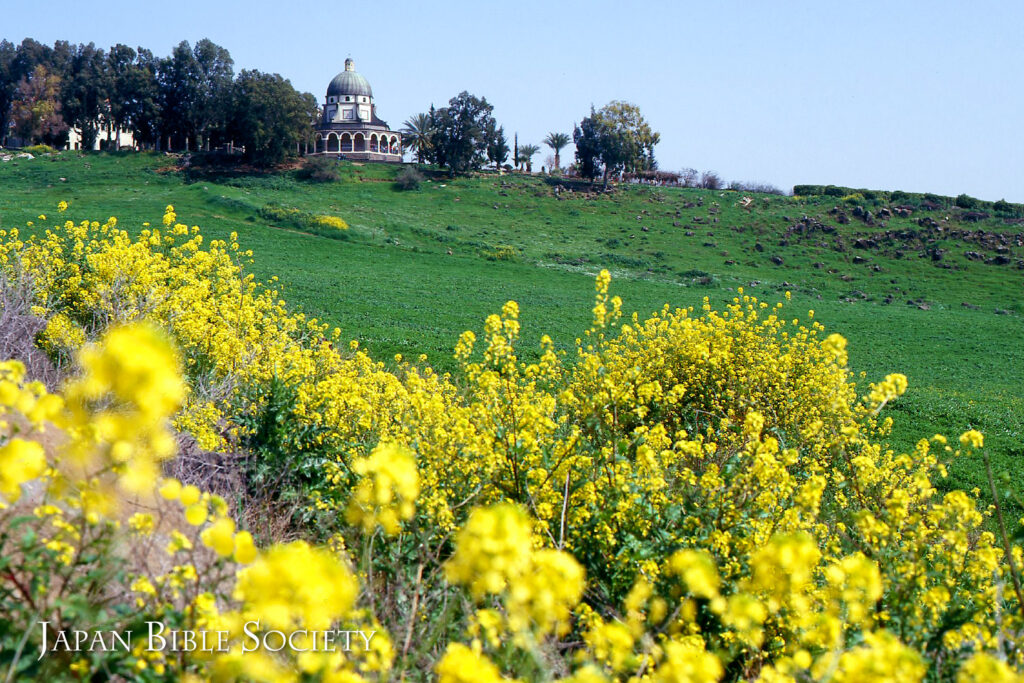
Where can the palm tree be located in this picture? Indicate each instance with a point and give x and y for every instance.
(416, 135)
(557, 141)
(526, 153)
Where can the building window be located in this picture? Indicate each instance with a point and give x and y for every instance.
(350, 114)
(347, 98)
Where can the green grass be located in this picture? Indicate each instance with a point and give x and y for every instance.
(392, 284)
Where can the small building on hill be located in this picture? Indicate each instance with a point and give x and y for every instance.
(349, 124)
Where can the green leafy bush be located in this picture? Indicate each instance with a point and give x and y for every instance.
(319, 170)
(408, 179)
(965, 201)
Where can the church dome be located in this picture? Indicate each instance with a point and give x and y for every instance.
(349, 82)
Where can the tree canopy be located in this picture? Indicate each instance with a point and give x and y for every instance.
(188, 100)
(616, 138)
(557, 142)
(459, 133)
(269, 116)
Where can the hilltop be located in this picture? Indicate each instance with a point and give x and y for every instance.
(919, 287)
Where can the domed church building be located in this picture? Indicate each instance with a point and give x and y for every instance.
(349, 123)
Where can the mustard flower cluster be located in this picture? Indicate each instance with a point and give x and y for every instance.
(386, 494)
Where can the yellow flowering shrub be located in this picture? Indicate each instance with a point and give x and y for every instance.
(701, 495)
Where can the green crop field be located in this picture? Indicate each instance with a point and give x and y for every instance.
(937, 299)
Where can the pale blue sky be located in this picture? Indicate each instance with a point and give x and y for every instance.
(919, 96)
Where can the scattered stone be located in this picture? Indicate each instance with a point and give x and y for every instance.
(973, 256)
(777, 260)
(998, 261)
(1002, 311)
(970, 306)
(758, 246)
(859, 260)
(688, 233)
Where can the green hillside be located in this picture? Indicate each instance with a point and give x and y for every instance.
(935, 294)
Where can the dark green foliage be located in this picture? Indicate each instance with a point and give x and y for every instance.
(965, 201)
(1005, 209)
(417, 136)
(459, 133)
(269, 117)
(497, 144)
(284, 460)
(614, 139)
(587, 138)
(319, 169)
(408, 179)
(8, 85)
(85, 89)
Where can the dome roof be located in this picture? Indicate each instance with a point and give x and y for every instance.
(349, 82)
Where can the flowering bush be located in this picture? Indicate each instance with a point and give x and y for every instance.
(700, 495)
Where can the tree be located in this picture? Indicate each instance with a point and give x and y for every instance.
(215, 71)
(8, 85)
(416, 135)
(526, 154)
(268, 116)
(120, 61)
(616, 138)
(85, 92)
(557, 141)
(497, 144)
(138, 98)
(178, 81)
(587, 138)
(624, 119)
(460, 133)
(36, 113)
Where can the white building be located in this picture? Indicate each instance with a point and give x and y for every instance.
(106, 139)
(349, 124)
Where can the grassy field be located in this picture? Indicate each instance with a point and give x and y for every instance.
(417, 268)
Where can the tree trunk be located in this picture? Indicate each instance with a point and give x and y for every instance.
(558, 160)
